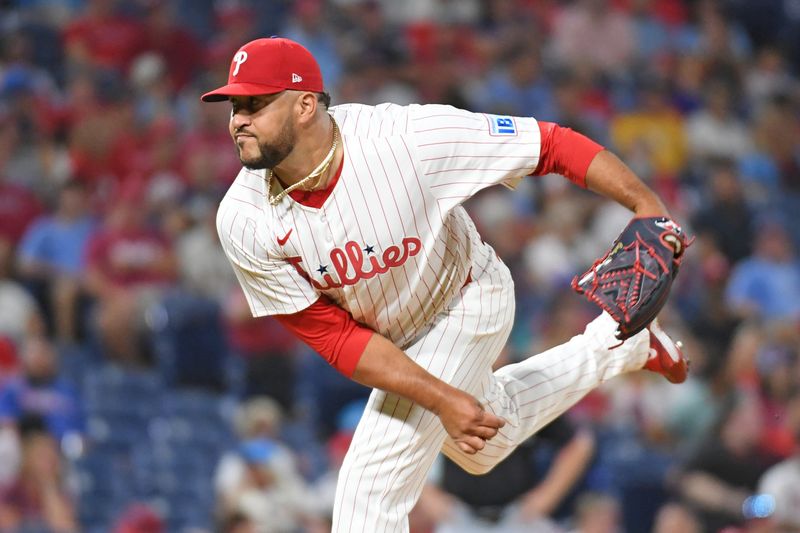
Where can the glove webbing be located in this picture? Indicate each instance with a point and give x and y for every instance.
(621, 277)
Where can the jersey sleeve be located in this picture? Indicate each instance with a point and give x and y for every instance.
(461, 152)
(565, 152)
(330, 331)
(270, 284)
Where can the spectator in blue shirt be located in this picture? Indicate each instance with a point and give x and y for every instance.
(767, 284)
(518, 87)
(51, 258)
(40, 391)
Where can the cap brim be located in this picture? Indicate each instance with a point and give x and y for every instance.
(239, 89)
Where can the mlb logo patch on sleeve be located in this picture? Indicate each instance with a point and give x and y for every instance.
(502, 125)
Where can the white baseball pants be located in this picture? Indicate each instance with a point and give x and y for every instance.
(396, 441)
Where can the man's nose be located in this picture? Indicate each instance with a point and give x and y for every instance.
(239, 119)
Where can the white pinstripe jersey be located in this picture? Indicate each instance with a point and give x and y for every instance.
(391, 244)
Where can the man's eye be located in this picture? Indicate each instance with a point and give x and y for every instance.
(249, 104)
(255, 103)
(241, 105)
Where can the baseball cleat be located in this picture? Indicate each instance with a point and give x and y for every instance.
(666, 356)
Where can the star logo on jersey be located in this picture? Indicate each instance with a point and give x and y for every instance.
(282, 241)
(350, 265)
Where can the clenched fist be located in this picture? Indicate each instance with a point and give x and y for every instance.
(467, 422)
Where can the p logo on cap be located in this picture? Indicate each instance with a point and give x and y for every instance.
(273, 65)
(239, 58)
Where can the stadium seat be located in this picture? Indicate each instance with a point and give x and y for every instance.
(189, 342)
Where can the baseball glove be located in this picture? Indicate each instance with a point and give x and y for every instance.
(632, 280)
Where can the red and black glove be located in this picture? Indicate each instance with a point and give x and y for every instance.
(632, 280)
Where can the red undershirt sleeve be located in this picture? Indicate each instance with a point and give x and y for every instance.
(330, 331)
(566, 152)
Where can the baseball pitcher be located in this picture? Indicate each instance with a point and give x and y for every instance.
(346, 224)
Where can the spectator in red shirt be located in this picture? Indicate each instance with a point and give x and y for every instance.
(98, 118)
(139, 518)
(178, 47)
(18, 206)
(128, 268)
(103, 37)
(205, 160)
(147, 153)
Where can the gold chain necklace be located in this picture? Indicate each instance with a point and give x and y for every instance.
(316, 173)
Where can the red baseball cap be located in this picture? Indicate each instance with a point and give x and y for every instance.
(268, 66)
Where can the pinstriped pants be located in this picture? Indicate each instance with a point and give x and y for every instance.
(396, 441)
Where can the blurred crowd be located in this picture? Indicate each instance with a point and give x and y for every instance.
(138, 395)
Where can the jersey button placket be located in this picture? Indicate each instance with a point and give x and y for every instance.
(326, 229)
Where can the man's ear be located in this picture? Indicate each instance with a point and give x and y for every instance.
(306, 106)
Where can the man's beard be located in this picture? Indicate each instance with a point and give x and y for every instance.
(270, 155)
